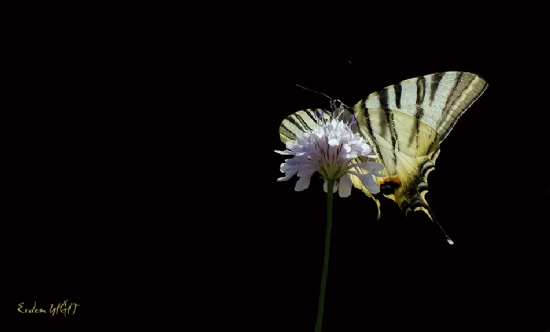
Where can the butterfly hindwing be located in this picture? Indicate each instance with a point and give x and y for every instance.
(406, 122)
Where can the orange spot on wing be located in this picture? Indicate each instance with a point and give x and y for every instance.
(391, 179)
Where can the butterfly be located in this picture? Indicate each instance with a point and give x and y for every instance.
(404, 123)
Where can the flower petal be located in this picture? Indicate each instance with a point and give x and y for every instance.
(371, 166)
(303, 181)
(344, 189)
(285, 152)
(367, 181)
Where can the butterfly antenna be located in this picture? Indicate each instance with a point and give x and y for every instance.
(314, 91)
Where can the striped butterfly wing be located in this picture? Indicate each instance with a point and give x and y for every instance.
(406, 123)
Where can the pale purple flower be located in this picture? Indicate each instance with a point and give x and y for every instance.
(329, 150)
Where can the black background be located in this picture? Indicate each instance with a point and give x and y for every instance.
(139, 178)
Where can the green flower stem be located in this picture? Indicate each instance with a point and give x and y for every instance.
(330, 187)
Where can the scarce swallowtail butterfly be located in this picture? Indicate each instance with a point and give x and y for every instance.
(404, 124)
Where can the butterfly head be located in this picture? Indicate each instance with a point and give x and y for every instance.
(335, 104)
(343, 112)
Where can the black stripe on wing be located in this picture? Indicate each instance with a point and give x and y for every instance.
(451, 97)
(434, 85)
(370, 132)
(464, 81)
(302, 124)
(398, 90)
(383, 98)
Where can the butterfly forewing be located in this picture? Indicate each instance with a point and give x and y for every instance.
(298, 123)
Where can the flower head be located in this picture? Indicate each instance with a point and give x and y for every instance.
(329, 150)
